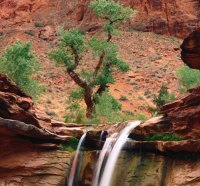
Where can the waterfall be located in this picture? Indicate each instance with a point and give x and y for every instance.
(74, 167)
(114, 154)
(105, 150)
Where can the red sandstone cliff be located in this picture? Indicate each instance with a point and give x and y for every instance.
(175, 17)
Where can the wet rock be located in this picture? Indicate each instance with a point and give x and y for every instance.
(145, 169)
(191, 146)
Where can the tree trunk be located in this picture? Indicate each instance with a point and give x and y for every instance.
(89, 102)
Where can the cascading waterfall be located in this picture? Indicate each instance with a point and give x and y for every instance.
(74, 166)
(113, 156)
(105, 150)
(107, 159)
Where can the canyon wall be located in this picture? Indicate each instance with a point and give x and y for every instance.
(172, 17)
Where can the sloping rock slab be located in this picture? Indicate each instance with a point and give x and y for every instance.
(184, 114)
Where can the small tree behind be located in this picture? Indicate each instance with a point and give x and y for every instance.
(73, 45)
(20, 64)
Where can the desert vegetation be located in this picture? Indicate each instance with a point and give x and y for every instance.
(93, 84)
(22, 66)
(94, 99)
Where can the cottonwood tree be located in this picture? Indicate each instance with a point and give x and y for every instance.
(73, 45)
(20, 64)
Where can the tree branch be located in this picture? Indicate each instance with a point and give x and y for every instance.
(97, 68)
(77, 79)
(76, 55)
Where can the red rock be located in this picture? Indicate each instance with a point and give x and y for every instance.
(174, 17)
(191, 50)
(47, 33)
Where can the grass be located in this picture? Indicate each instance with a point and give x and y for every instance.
(188, 78)
(141, 116)
(163, 137)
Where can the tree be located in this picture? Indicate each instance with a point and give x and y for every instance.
(20, 64)
(73, 45)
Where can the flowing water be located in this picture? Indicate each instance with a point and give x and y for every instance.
(105, 150)
(112, 158)
(74, 167)
(107, 158)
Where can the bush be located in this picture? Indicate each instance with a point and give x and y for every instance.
(38, 25)
(76, 114)
(30, 32)
(20, 64)
(188, 78)
(70, 145)
(107, 110)
(163, 97)
(141, 116)
(163, 137)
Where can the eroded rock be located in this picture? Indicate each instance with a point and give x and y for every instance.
(191, 50)
(174, 17)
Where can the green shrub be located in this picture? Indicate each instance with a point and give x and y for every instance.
(141, 116)
(20, 64)
(163, 97)
(38, 25)
(163, 137)
(76, 114)
(30, 32)
(188, 78)
(107, 110)
(70, 145)
(73, 45)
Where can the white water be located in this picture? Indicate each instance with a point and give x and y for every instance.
(75, 161)
(113, 156)
(105, 150)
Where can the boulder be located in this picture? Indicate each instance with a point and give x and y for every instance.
(47, 33)
(191, 50)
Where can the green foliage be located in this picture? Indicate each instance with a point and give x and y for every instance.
(110, 60)
(109, 9)
(163, 97)
(76, 95)
(20, 64)
(140, 116)
(30, 32)
(38, 25)
(163, 137)
(70, 41)
(76, 115)
(72, 46)
(70, 145)
(188, 78)
(107, 110)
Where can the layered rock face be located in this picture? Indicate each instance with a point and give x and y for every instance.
(174, 17)
(30, 153)
(145, 169)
